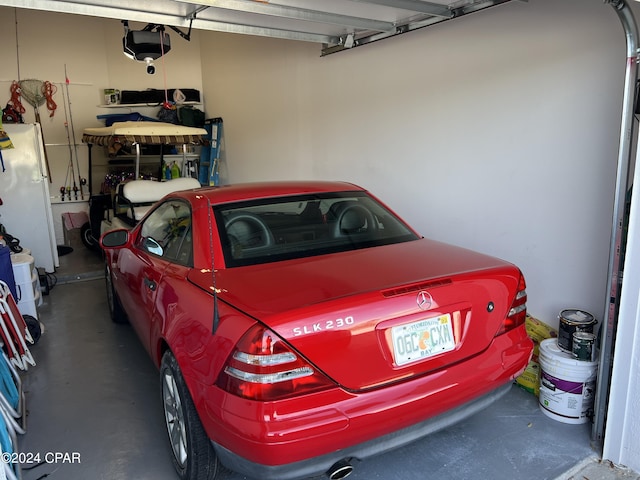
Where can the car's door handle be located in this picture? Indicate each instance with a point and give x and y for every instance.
(150, 284)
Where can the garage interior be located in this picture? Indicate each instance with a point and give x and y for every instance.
(498, 130)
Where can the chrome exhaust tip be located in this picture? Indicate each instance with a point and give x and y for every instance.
(339, 470)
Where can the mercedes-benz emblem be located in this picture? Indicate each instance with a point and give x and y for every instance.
(424, 300)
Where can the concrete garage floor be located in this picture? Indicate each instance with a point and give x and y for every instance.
(94, 398)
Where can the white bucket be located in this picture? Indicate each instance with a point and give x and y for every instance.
(567, 385)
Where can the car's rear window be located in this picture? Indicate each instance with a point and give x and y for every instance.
(284, 228)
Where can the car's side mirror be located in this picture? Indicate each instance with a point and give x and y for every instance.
(115, 238)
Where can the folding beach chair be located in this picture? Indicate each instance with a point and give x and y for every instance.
(12, 416)
(8, 445)
(12, 399)
(13, 330)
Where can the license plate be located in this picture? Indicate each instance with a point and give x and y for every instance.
(422, 339)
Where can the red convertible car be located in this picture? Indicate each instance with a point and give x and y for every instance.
(300, 327)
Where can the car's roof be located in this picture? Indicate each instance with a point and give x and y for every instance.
(249, 191)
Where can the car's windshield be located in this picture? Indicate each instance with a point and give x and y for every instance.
(302, 226)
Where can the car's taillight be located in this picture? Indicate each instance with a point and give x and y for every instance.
(518, 311)
(263, 367)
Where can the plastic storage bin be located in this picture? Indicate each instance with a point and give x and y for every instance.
(27, 284)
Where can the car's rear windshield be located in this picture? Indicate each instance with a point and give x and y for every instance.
(276, 229)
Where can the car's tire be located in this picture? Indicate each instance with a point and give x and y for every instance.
(88, 240)
(116, 312)
(192, 453)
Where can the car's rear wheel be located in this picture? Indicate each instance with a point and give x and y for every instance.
(193, 456)
(116, 311)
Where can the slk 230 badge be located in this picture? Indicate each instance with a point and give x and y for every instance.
(322, 326)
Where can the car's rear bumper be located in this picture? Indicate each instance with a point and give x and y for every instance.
(318, 465)
(305, 436)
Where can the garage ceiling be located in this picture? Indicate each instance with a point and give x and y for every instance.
(334, 24)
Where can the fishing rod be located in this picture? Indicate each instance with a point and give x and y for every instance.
(73, 134)
(70, 167)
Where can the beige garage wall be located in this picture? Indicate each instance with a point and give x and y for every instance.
(498, 132)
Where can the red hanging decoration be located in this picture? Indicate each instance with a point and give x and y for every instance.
(49, 90)
(16, 91)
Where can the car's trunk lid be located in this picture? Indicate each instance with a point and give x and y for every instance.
(377, 315)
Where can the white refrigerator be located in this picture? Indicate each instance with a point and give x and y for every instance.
(24, 190)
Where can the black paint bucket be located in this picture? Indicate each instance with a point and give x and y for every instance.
(584, 346)
(570, 321)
